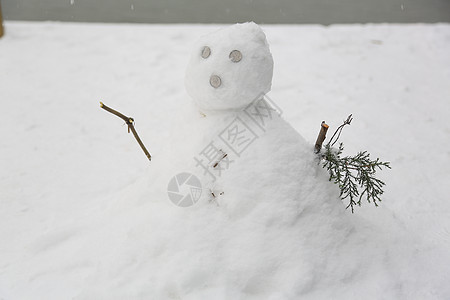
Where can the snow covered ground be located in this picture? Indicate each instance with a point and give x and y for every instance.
(84, 215)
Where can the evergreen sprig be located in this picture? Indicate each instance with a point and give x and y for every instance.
(355, 175)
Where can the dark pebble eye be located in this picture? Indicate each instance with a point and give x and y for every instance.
(235, 56)
(206, 52)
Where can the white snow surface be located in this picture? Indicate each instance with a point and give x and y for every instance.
(241, 81)
(84, 215)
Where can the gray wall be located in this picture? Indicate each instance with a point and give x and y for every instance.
(232, 11)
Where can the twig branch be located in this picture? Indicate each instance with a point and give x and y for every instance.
(355, 175)
(339, 130)
(130, 122)
(321, 137)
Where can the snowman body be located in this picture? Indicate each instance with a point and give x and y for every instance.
(267, 218)
(242, 150)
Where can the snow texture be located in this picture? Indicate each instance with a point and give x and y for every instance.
(242, 81)
(84, 215)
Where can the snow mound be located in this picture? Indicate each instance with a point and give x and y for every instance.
(84, 215)
(278, 231)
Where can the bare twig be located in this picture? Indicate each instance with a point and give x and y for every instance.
(215, 196)
(130, 122)
(321, 137)
(339, 130)
(223, 156)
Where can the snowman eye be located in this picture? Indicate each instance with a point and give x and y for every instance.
(235, 56)
(206, 52)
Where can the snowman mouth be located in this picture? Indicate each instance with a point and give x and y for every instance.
(215, 81)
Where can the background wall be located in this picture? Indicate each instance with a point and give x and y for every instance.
(216, 11)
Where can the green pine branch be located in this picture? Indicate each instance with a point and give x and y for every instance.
(355, 175)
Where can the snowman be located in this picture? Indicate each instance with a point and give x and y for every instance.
(266, 208)
(242, 151)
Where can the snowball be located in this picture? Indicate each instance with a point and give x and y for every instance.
(230, 68)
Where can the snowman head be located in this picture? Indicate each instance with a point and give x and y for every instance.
(230, 68)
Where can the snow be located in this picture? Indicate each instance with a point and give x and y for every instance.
(84, 215)
(239, 82)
